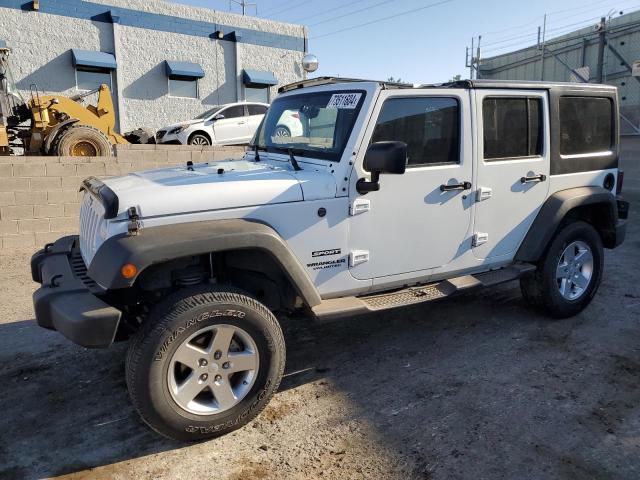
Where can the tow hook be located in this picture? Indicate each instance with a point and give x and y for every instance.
(134, 225)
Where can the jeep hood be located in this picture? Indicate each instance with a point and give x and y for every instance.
(217, 186)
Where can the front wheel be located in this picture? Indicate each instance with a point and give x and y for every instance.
(199, 140)
(569, 274)
(206, 362)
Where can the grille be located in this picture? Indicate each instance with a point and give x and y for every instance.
(89, 223)
(160, 134)
(80, 270)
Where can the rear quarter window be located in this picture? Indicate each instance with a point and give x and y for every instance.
(586, 125)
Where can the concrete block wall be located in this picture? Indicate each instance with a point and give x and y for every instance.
(39, 198)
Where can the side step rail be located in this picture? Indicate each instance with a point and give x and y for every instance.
(340, 307)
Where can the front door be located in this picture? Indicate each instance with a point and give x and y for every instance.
(418, 220)
(233, 128)
(513, 168)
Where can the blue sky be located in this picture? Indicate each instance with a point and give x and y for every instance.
(428, 44)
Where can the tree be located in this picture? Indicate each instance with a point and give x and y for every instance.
(394, 80)
(456, 78)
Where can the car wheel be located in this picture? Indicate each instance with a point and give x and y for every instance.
(82, 141)
(282, 131)
(569, 274)
(199, 139)
(205, 363)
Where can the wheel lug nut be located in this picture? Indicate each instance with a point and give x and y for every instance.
(218, 378)
(202, 362)
(226, 365)
(203, 377)
(217, 355)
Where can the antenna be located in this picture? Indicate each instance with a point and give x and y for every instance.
(243, 4)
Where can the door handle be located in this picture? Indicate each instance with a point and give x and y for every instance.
(455, 186)
(535, 178)
(241, 123)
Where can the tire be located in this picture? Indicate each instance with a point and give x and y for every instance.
(82, 141)
(558, 287)
(192, 319)
(282, 131)
(199, 139)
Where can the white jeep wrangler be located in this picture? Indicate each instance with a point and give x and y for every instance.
(387, 195)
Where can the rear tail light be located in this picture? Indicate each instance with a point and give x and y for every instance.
(619, 182)
(295, 115)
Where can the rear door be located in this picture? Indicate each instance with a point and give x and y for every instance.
(255, 113)
(233, 128)
(513, 168)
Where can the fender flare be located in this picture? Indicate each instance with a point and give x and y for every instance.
(155, 245)
(55, 131)
(553, 212)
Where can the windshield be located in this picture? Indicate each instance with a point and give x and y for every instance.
(312, 124)
(208, 113)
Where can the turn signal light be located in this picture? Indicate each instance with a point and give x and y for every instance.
(128, 270)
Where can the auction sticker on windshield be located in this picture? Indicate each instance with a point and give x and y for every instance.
(344, 100)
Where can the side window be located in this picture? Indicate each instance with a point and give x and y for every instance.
(429, 126)
(586, 125)
(233, 112)
(512, 127)
(257, 109)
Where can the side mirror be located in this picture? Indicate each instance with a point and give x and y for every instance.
(219, 117)
(382, 157)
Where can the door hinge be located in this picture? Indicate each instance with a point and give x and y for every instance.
(356, 257)
(359, 205)
(483, 193)
(480, 238)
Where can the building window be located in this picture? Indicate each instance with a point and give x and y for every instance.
(183, 87)
(586, 125)
(90, 78)
(252, 94)
(429, 126)
(512, 127)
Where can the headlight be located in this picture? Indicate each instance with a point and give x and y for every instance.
(175, 131)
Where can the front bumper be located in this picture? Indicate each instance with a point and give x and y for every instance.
(173, 138)
(67, 301)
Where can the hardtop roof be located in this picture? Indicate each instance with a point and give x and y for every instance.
(468, 84)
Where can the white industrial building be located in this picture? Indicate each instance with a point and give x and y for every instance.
(164, 62)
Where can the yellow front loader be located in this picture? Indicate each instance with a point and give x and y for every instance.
(53, 124)
(63, 126)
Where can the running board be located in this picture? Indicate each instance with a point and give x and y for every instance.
(340, 307)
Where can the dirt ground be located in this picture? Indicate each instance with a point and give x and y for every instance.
(479, 387)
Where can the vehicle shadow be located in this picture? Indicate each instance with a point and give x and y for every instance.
(65, 408)
(478, 381)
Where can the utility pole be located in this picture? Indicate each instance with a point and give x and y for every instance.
(602, 39)
(543, 46)
(243, 4)
(478, 57)
(473, 39)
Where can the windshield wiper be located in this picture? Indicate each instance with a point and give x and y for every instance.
(257, 147)
(294, 162)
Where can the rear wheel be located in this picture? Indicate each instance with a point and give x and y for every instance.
(82, 141)
(282, 131)
(206, 362)
(569, 274)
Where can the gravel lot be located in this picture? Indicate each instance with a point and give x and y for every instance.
(475, 387)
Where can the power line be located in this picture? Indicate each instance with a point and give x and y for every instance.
(276, 11)
(299, 19)
(575, 11)
(351, 13)
(388, 17)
